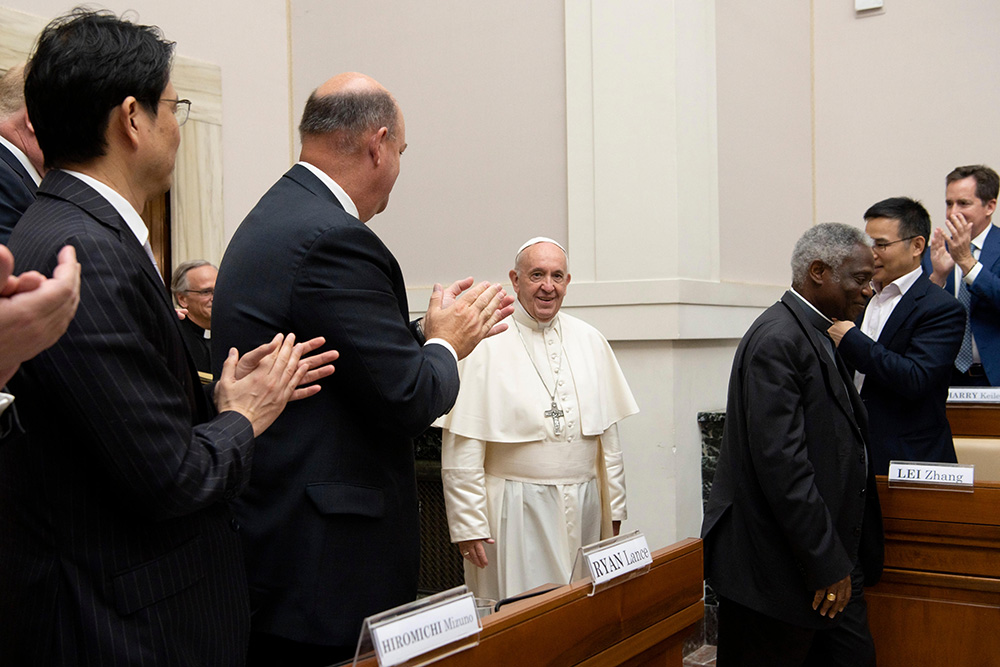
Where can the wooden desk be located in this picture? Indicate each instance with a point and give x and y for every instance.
(939, 599)
(977, 420)
(640, 622)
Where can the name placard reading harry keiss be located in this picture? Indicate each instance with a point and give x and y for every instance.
(402, 639)
(931, 474)
(618, 559)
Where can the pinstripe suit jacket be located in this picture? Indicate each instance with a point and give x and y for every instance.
(116, 543)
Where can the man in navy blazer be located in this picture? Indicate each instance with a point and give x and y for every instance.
(116, 542)
(329, 520)
(21, 163)
(792, 528)
(965, 261)
(904, 347)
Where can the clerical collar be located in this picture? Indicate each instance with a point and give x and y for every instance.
(812, 308)
(522, 317)
(334, 187)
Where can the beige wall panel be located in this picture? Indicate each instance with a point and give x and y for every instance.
(482, 86)
(765, 155)
(248, 42)
(17, 31)
(902, 97)
(195, 199)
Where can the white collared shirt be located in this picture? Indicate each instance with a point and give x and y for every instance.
(977, 248)
(23, 159)
(120, 204)
(969, 278)
(880, 309)
(334, 187)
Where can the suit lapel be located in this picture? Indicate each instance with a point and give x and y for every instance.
(834, 374)
(991, 249)
(63, 186)
(310, 182)
(18, 168)
(904, 309)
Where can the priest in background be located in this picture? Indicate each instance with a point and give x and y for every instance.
(531, 461)
(193, 287)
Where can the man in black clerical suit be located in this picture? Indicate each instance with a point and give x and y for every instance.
(193, 286)
(904, 348)
(21, 163)
(792, 527)
(329, 521)
(116, 542)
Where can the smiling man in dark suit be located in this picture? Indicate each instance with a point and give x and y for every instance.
(330, 520)
(792, 529)
(116, 542)
(965, 260)
(21, 163)
(904, 348)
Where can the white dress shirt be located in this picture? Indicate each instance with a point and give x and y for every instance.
(880, 308)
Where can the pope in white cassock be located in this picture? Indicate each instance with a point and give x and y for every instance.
(531, 461)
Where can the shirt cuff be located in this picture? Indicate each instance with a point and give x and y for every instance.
(445, 344)
(970, 277)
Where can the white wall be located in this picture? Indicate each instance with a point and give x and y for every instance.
(903, 97)
(249, 42)
(482, 88)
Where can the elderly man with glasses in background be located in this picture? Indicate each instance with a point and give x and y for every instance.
(193, 286)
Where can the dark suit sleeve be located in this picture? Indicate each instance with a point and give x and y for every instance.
(934, 343)
(347, 291)
(986, 287)
(14, 200)
(773, 388)
(115, 377)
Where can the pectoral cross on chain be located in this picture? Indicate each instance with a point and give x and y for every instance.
(555, 413)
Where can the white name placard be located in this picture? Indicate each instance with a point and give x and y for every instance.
(934, 474)
(974, 395)
(400, 639)
(621, 558)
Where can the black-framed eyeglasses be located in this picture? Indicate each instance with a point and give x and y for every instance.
(201, 292)
(882, 245)
(182, 108)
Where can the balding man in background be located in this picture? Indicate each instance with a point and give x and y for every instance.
(329, 523)
(21, 163)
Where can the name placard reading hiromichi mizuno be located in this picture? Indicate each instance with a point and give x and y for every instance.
(619, 559)
(401, 639)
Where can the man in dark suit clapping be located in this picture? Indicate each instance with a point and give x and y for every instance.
(330, 520)
(116, 542)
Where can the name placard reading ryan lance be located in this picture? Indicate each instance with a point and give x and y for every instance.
(619, 559)
(400, 639)
(931, 475)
